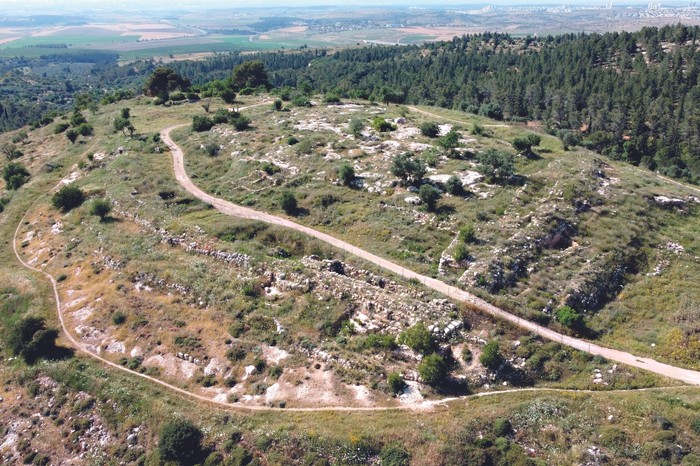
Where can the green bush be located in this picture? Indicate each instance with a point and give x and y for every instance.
(240, 122)
(461, 253)
(101, 208)
(180, 441)
(570, 318)
(467, 355)
(118, 318)
(467, 234)
(417, 338)
(491, 356)
(454, 186)
(429, 195)
(394, 454)
(67, 198)
(61, 127)
(396, 383)
(201, 123)
(430, 129)
(346, 174)
(496, 165)
(450, 141)
(72, 135)
(356, 127)
(502, 427)
(432, 369)
(30, 339)
(288, 203)
(382, 126)
(15, 175)
(410, 170)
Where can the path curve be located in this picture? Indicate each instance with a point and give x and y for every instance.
(425, 405)
(685, 375)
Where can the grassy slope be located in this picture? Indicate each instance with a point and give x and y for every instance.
(622, 223)
(557, 426)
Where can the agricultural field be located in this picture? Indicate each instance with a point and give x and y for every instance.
(246, 315)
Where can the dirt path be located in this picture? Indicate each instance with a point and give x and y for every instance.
(228, 208)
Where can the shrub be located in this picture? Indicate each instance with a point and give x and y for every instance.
(331, 98)
(240, 122)
(85, 130)
(11, 152)
(450, 141)
(305, 146)
(270, 168)
(67, 198)
(410, 170)
(288, 203)
(496, 165)
(201, 123)
(382, 126)
(240, 456)
(72, 135)
(236, 352)
(429, 195)
(275, 371)
(61, 127)
(356, 127)
(15, 175)
(346, 174)
(491, 110)
(570, 318)
(118, 318)
(396, 383)
(477, 129)
(430, 129)
(526, 143)
(394, 454)
(101, 208)
(291, 140)
(180, 441)
(502, 427)
(696, 426)
(491, 356)
(430, 158)
(30, 339)
(461, 253)
(467, 355)
(417, 338)
(467, 234)
(454, 186)
(214, 459)
(277, 105)
(212, 149)
(432, 369)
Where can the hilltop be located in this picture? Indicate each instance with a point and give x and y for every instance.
(256, 315)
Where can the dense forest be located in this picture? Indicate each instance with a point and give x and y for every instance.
(630, 96)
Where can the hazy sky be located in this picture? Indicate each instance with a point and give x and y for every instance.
(54, 6)
(37, 7)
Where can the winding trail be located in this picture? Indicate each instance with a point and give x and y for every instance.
(690, 377)
(685, 375)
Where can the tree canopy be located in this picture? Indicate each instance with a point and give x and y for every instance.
(30, 339)
(250, 74)
(163, 81)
